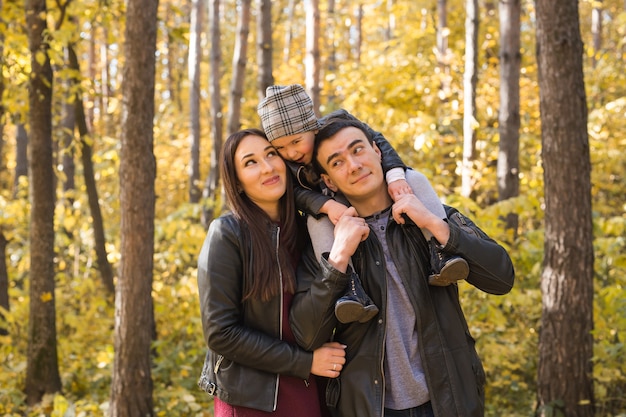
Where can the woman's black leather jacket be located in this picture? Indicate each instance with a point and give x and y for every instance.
(246, 353)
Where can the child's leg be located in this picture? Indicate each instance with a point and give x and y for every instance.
(355, 304)
(322, 234)
(446, 268)
(424, 191)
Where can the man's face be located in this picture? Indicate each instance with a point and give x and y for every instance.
(352, 164)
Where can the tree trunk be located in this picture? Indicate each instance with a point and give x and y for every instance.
(193, 65)
(21, 156)
(42, 372)
(213, 178)
(565, 380)
(66, 149)
(358, 42)
(4, 281)
(391, 21)
(106, 271)
(442, 32)
(312, 59)
(131, 387)
(240, 56)
(105, 83)
(264, 47)
(331, 49)
(289, 30)
(470, 78)
(509, 114)
(4, 274)
(596, 30)
(2, 109)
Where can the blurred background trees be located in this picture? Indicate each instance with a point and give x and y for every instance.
(398, 65)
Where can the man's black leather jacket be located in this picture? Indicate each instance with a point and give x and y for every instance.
(453, 370)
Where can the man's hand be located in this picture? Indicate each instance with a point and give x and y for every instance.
(328, 360)
(398, 188)
(410, 205)
(350, 230)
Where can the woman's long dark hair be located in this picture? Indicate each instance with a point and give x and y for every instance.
(265, 283)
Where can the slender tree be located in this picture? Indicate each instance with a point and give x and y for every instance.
(358, 42)
(240, 57)
(4, 274)
(42, 370)
(442, 32)
(289, 24)
(391, 21)
(596, 30)
(312, 60)
(21, 155)
(264, 48)
(210, 190)
(104, 266)
(193, 75)
(2, 109)
(509, 114)
(331, 47)
(68, 125)
(4, 281)
(565, 380)
(131, 387)
(470, 78)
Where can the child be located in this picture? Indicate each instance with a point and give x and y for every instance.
(290, 124)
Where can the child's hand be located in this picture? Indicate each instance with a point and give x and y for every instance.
(399, 188)
(334, 210)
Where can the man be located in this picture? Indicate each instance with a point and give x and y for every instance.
(417, 357)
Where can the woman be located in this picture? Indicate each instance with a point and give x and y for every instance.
(246, 280)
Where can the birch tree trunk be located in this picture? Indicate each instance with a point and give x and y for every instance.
(312, 59)
(470, 78)
(509, 114)
(596, 30)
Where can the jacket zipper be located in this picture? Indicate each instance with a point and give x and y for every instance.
(280, 313)
(220, 358)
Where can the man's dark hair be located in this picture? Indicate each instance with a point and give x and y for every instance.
(329, 129)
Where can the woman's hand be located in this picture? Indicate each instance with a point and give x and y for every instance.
(328, 360)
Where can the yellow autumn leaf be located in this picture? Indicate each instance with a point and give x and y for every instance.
(45, 297)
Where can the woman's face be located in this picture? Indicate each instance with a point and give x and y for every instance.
(261, 172)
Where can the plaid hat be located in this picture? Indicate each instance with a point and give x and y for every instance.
(286, 110)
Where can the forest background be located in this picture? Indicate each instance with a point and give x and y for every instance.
(394, 83)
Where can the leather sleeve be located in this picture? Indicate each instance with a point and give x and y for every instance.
(310, 201)
(390, 157)
(491, 268)
(312, 315)
(220, 285)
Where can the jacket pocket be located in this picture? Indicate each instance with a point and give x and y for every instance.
(333, 390)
